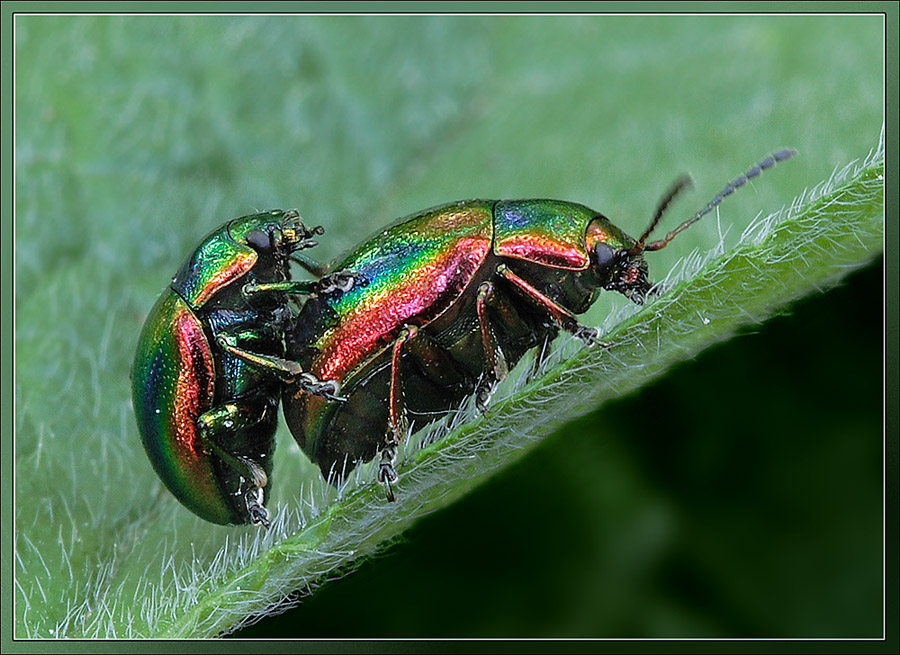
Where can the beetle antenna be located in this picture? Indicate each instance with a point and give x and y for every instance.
(677, 187)
(767, 163)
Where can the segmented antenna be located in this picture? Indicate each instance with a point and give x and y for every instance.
(677, 187)
(731, 187)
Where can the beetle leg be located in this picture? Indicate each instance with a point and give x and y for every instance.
(337, 281)
(398, 425)
(499, 369)
(223, 421)
(227, 419)
(309, 264)
(560, 315)
(328, 389)
(435, 362)
(340, 281)
(386, 472)
(285, 369)
(259, 515)
(297, 287)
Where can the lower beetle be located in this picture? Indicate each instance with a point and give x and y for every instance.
(210, 365)
(444, 303)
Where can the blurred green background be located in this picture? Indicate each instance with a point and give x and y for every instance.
(740, 496)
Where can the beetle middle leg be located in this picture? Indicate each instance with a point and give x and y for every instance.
(496, 368)
(285, 369)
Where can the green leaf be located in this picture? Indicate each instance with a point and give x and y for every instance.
(128, 125)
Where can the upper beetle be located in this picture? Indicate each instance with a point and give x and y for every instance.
(210, 364)
(444, 302)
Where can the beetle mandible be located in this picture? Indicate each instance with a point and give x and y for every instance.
(210, 364)
(444, 302)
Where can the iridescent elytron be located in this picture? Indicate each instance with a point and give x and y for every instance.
(443, 303)
(210, 364)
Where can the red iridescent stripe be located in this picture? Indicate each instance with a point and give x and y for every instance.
(542, 250)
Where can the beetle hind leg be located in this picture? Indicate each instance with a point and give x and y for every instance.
(437, 365)
(219, 425)
(398, 425)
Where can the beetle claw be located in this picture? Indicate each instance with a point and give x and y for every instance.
(590, 336)
(387, 475)
(259, 515)
(339, 281)
(386, 472)
(328, 389)
(389, 490)
(483, 393)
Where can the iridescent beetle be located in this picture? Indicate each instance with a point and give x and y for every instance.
(210, 365)
(444, 303)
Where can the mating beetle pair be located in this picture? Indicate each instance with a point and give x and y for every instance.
(444, 302)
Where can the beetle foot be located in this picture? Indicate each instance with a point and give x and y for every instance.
(259, 515)
(386, 475)
(386, 472)
(340, 281)
(389, 491)
(328, 389)
(483, 393)
(590, 336)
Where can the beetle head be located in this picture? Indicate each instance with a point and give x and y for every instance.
(613, 263)
(275, 233)
(618, 260)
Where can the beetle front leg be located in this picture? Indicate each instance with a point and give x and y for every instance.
(285, 369)
(339, 281)
(309, 264)
(218, 425)
(560, 315)
(294, 287)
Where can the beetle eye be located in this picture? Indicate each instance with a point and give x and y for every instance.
(259, 240)
(603, 255)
